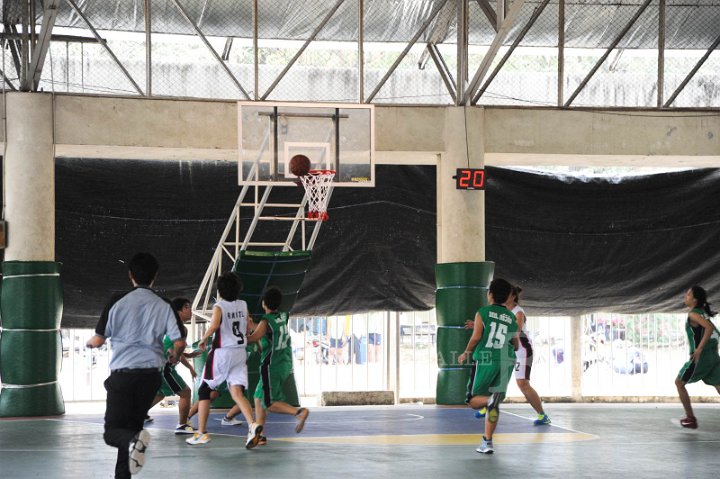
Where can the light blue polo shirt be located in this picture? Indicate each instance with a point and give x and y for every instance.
(136, 323)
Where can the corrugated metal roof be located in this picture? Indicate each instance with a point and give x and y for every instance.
(690, 24)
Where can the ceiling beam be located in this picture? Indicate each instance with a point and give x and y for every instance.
(497, 42)
(40, 48)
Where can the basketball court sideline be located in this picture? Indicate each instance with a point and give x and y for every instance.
(586, 440)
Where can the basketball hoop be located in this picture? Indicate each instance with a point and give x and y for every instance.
(317, 185)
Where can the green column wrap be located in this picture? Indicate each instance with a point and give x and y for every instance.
(31, 302)
(461, 291)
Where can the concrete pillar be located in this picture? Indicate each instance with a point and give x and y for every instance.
(31, 295)
(462, 274)
(461, 214)
(576, 365)
(29, 177)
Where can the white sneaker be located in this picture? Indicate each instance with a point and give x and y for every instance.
(230, 422)
(253, 437)
(198, 438)
(486, 446)
(138, 445)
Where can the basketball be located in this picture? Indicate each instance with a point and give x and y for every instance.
(299, 165)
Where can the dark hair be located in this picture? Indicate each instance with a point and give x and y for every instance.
(700, 296)
(500, 289)
(144, 268)
(179, 303)
(229, 286)
(272, 298)
(516, 290)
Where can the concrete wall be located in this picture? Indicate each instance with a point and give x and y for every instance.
(629, 132)
(116, 127)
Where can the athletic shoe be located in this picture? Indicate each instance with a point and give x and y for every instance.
(148, 419)
(138, 446)
(230, 422)
(253, 437)
(184, 429)
(486, 446)
(493, 407)
(301, 417)
(542, 420)
(198, 438)
(481, 413)
(262, 441)
(689, 422)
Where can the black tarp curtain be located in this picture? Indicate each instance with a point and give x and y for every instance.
(576, 246)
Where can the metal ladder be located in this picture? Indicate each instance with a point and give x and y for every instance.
(231, 242)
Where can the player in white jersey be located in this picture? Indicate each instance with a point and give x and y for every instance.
(524, 357)
(226, 361)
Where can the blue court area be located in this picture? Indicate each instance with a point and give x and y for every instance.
(586, 440)
(401, 425)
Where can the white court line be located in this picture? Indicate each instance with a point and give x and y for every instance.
(552, 425)
(594, 436)
(311, 420)
(150, 430)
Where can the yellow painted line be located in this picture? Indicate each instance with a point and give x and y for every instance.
(447, 439)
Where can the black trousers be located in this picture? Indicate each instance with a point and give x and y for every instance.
(129, 396)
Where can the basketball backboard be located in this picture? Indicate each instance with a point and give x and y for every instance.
(334, 136)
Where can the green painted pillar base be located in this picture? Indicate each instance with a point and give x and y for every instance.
(31, 302)
(461, 291)
(45, 400)
(452, 385)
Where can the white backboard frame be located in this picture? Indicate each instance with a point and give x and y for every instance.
(259, 152)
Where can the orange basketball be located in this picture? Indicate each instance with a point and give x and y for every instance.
(299, 165)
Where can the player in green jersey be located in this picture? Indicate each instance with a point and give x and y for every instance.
(276, 366)
(491, 347)
(172, 383)
(704, 361)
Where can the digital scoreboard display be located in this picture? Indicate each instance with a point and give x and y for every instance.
(469, 179)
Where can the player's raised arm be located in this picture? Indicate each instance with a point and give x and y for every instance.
(214, 326)
(478, 329)
(259, 332)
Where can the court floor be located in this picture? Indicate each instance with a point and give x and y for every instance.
(408, 441)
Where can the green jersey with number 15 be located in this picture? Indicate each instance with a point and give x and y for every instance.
(500, 326)
(275, 344)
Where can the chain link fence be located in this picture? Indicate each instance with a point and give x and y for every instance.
(683, 55)
(594, 53)
(526, 75)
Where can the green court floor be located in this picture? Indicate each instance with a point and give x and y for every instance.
(584, 440)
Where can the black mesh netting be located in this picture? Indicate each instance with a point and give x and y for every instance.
(576, 246)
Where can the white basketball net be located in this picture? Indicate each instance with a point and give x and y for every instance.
(317, 185)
